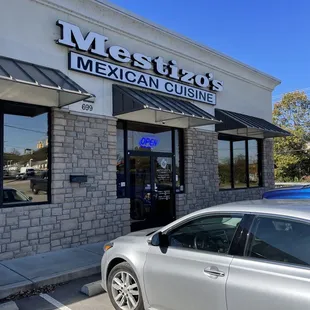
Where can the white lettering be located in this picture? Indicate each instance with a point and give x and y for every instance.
(160, 66)
(142, 61)
(119, 54)
(173, 70)
(201, 80)
(95, 43)
(73, 37)
(187, 77)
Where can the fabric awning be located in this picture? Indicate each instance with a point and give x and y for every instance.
(33, 84)
(141, 106)
(244, 125)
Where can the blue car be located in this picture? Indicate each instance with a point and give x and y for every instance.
(294, 192)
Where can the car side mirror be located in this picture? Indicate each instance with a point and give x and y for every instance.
(30, 198)
(160, 239)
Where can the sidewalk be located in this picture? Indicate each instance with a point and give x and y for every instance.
(22, 274)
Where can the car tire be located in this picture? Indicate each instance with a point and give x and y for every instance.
(35, 191)
(120, 278)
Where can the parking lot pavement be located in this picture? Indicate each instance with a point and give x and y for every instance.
(67, 297)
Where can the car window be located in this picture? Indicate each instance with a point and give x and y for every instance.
(19, 196)
(209, 233)
(280, 240)
(11, 195)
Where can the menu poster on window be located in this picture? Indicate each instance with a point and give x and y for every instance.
(163, 175)
(163, 195)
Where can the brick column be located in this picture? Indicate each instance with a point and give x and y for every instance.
(268, 164)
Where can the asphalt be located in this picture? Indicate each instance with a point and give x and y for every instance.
(32, 272)
(69, 296)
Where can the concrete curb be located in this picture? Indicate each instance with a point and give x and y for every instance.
(92, 289)
(16, 288)
(67, 276)
(11, 305)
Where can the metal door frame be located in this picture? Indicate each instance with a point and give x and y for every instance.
(152, 155)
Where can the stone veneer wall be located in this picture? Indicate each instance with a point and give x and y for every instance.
(90, 212)
(201, 174)
(79, 213)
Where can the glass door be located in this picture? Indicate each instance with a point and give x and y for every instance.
(163, 196)
(140, 190)
(150, 190)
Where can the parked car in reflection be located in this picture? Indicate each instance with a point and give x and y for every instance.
(294, 192)
(240, 256)
(11, 195)
(25, 173)
(39, 183)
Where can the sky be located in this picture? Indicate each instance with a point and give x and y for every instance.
(22, 132)
(272, 36)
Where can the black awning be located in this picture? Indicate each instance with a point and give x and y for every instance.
(141, 106)
(29, 83)
(245, 125)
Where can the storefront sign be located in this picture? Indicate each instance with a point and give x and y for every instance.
(148, 142)
(82, 63)
(181, 82)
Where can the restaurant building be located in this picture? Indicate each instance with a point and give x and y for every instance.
(110, 124)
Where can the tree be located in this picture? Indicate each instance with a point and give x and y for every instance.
(292, 160)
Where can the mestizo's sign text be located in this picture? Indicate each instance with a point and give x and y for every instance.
(181, 82)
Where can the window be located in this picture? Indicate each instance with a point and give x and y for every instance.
(210, 233)
(25, 154)
(253, 163)
(148, 140)
(281, 240)
(224, 164)
(239, 162)
(179, 160)
(120, 164)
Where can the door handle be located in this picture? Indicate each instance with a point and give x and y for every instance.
(214, 271)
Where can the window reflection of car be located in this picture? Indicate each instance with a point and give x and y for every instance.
(40, 183)
(25, 173)
(11, 195)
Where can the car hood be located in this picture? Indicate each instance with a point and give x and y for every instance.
(144, 232)
(136, 237)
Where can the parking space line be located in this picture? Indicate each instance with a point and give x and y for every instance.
(54, 302)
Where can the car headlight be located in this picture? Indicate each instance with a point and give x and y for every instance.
(108, 246)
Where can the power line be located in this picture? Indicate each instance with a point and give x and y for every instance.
(25, 129)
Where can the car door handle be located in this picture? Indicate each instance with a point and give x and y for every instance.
(214, 271)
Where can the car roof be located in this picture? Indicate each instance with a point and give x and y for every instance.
(299, 209)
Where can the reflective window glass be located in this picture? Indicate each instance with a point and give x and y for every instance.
(25, 159)
(224, 164)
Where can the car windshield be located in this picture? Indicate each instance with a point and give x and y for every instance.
(12, 195)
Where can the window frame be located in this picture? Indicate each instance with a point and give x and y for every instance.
(236, 236)
(49, 154)
(231, 139)
(123, 125)
(249, 239)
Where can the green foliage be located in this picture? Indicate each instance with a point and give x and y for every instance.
(23, 159)
(291, 156)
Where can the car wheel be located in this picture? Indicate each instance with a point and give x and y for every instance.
(124, 289)
(35, 191)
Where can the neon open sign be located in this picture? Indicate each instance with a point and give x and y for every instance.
(148, 142)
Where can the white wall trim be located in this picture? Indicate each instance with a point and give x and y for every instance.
(272, 80)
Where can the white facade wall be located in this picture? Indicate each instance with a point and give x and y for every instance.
(245, 89)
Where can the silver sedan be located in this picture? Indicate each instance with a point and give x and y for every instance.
(250, 255)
